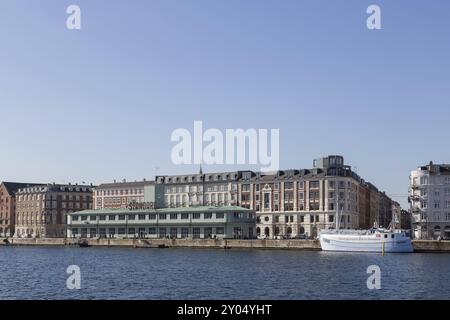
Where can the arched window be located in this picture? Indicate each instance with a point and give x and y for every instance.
(302, 230)
(266, 231)
(258, 231)
(289, 231)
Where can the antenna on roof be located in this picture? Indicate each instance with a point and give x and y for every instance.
(201, 171)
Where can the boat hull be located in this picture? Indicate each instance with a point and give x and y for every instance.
(333, 242)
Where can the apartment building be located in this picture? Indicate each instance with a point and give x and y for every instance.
(41, 210)
(211, 189)
(429, 197)
(291, 203)
(120, 194)
(8, 206)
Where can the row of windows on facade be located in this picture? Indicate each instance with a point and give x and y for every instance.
(119, 192)
(300, 185)
(160, 216)
(301, 219)
(436, 205)
(435, 216)
(119, 200)
(437, 192)
(312, 196)
(289, 206)
(54, 205)
(199, 188)
(436, 180)
(161, 231)
(44, 219)
(192, 198)
(54, 197)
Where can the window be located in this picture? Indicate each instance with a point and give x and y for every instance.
(314, 184)
(152, 216)
(141, 217)
(220, 231)
(196, 216)
(83, 218)
(121, 217)
(311, 218)
(185, 216)
(331, 218)
(208, 233)
(162, 216)
(196, 233)
(220, 215)
(184, 232)
(151, 231)
(75, 218)
(121, 231)
(102, 217)
(132, 217)
(162, 232)
(207, 215)
(173, 216)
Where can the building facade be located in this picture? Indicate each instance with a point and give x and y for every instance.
(180, 223)
(8, 206)
(41, 211)
(120, 194)
(288, 203)
(299, 203)
(429, 197)
(212, 189)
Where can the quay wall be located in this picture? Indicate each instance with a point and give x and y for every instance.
(419, 245)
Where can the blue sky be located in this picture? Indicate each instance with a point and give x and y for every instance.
(100, 103)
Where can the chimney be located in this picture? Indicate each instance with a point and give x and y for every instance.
(124, 180)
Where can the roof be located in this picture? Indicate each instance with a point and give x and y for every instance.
(163, 210)
(12, 187)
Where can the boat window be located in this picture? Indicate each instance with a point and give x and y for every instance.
(392, 236)
(385, 235)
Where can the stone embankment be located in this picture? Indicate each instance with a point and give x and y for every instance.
(419, 245)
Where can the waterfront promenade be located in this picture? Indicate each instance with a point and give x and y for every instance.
(419, 245)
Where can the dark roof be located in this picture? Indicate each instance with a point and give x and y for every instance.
(12, 187)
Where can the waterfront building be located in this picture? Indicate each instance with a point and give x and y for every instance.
(211, 189)
(299, 203)
(201, 222)
(8, 206)
(120, 194)
(429, 197)
(41, 210)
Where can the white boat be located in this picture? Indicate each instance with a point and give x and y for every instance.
(372, 240)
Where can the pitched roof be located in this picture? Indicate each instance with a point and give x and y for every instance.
(12, 187)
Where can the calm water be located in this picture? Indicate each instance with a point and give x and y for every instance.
(113, 273)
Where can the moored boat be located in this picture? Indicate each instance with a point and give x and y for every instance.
(372, 240)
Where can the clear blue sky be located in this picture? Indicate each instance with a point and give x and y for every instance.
(100, 103)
